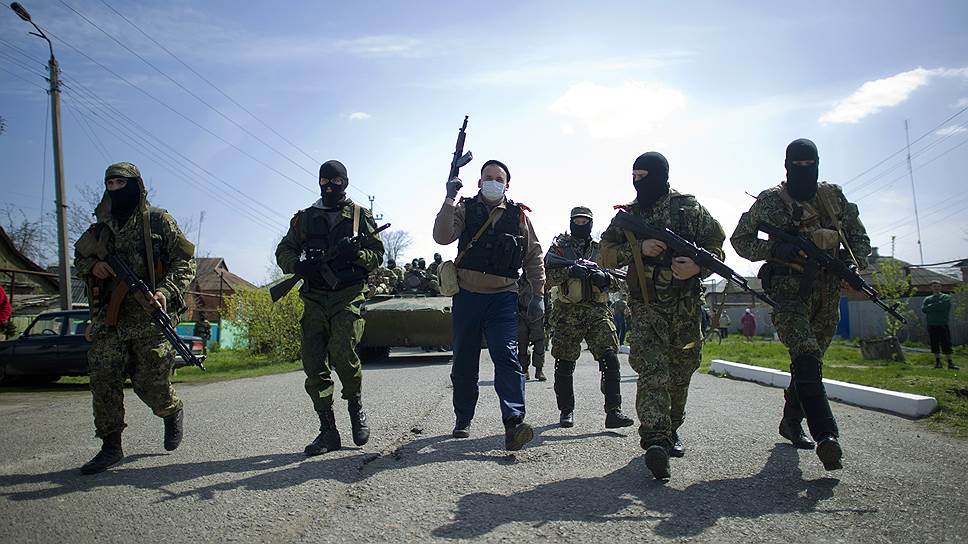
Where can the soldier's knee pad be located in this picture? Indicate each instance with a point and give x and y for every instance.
(564, 368)
(806, 368)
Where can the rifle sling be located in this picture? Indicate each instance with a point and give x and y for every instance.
(639, 266)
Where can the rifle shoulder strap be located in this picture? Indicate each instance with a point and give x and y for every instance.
(478, 234)
(639, 266)
(829, 205)
(149, 251)
(356, 219)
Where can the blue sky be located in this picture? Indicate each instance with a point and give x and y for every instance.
(566, 93)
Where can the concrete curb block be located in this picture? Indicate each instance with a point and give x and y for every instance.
(905, 404)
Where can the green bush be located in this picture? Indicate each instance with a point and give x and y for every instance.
(271, 329)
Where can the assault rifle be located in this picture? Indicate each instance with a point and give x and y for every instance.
(134, 286)
(818, 259)
(460, 158)
(680, 247)
(553, 260)
(323, 261)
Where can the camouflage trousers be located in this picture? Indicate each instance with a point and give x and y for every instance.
(589, 321)
(331, 329)
(806, 327)
(531, 333)
(147, 361)
(665, 349)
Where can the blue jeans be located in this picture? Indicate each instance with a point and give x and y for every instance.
(620, 328)
(496, 317)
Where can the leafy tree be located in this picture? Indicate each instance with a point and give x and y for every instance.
(270, 328)
(893, 282)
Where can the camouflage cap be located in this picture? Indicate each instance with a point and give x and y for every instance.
(122, 170)
(581, 211)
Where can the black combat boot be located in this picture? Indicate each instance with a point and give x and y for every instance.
(937, 362)
(328, 439)
(565, 391)
(951, 365)
(612, 389)
(677, 450)
(109, 455)
(361, 430)
(174, 430)
(462, 429)
(830, 453)
(791, 426)
(657, 461)
(539, 374)
(517, 433)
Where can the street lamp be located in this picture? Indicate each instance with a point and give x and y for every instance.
(64, 270)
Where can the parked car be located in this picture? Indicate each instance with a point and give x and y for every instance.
(53, 345)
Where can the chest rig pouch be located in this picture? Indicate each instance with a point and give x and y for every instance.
(500, 249)
(662, 286)
(319, 238)
(576, 290)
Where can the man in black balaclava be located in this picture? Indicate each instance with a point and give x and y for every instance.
(650, 177)
(333, 180)
(804, 322)
(124, 199)
(803, 169)
(331, 323)
(665, 297)
(582, 313)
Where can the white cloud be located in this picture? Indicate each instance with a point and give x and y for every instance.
(380, 46)
(359, 116)
(873, 96)
(952, 130)
(633, 108)
(962, 103)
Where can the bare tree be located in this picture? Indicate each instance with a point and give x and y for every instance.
(395, 242)
(30, 237)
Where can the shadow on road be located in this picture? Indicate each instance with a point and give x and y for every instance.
(778, 488)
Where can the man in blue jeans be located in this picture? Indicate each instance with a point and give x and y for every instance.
(495, 241)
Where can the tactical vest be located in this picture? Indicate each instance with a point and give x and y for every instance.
(662, 286)
(819, 222)
(500, 249)
(319, 238)
(576, 290)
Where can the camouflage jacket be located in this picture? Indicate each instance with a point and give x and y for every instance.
(573, 290)
(169, 245)
(686, 217)
(290, 248)
(819, 219)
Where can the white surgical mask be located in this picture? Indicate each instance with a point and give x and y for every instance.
(492, 190)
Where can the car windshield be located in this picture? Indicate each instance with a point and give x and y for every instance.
(46, 326)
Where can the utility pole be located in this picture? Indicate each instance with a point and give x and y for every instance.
(198, 236)
(914, 193)
(378, 217)
(64, 268)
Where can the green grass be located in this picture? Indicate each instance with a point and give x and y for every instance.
(843, 362)
(221, 366)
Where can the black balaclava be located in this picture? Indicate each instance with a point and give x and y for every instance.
(391, 264)
(802, 180)
(654, 186)
(331, 170)
(125, 200)
(583, 232)
(438, 258)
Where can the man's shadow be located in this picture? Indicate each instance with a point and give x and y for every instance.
(779, 488)
(274, 471)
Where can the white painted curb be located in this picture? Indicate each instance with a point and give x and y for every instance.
(904, 404)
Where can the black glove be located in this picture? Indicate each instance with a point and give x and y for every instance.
(576, 271)
(600, 279)
(785, 251)
(453, 187)
(347, 249)
(306, 269)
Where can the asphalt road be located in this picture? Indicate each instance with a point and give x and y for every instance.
(240, 474)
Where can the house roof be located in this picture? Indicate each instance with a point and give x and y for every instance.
(920, 277)
(207, 277)
(14, 257)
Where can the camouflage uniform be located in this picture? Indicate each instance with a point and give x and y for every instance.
(664, 335)
(382, 281)
(331, 321)
(133, 348)
(805, 324)
(529, 332)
